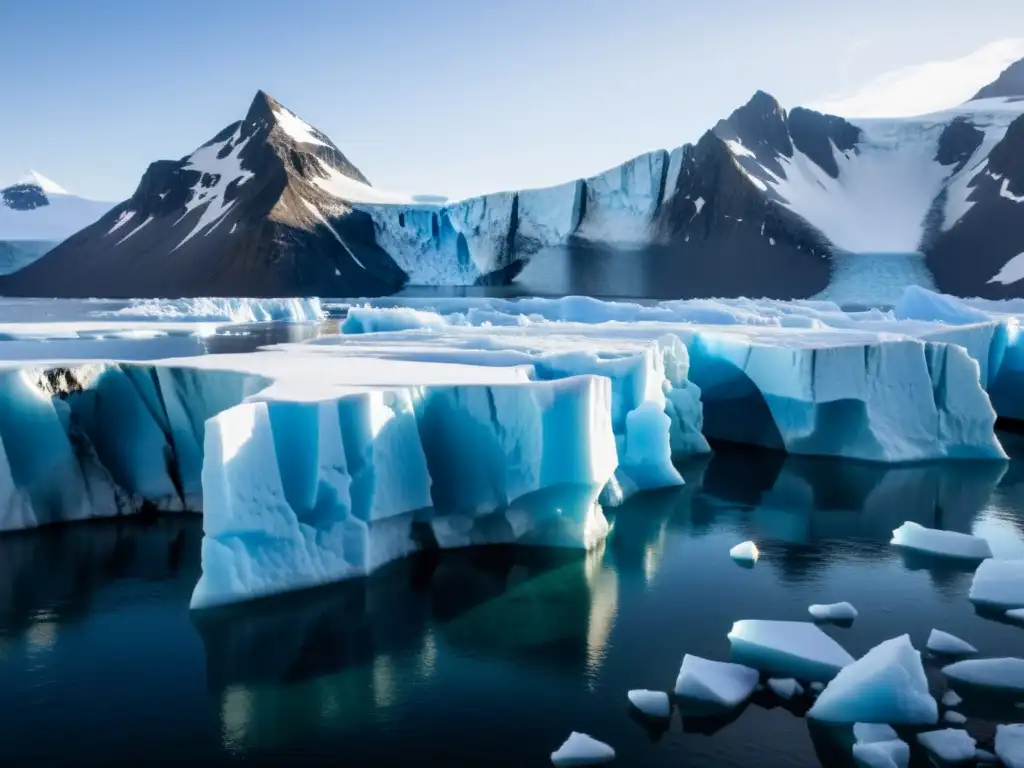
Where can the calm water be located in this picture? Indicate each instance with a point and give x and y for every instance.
(486, 657)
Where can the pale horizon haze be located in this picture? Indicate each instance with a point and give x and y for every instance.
(450, 97)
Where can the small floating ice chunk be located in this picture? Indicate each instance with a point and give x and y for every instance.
(951, 699)
(866, 733)
(951, 746)
(796, 648)
(717, 682)
(950, 645)
(984, 756)
(1002, 674)
(882, 754)
(886, 685)
(954, 717)
(1017, 614)
(581, 749)
(945, 543)
(817, 686)
(833, 612)
(785, 688)
(999, 584)
(1010, 744)
(747, 552)
(651, 703)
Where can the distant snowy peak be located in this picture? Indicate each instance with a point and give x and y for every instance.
(34, 208)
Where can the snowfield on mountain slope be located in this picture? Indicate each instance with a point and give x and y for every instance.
(889, 182)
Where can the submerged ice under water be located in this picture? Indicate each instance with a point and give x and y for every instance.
(493, 656)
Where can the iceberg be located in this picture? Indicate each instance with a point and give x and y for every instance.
(747, 552)
(1010, 745)
(307, 310)
(795, 648)
(951, 746)
(998, 674)
(581, 749)
(651, 703)
(998, 584)
(869, 733)
(949, 645)
(931, 541)
(886, 685)
(833, 612)
(715, 682)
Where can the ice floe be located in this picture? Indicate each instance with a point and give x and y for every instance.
(794, 648)
(951, 745)
(999, 584)
(1005, 674)
(1010, 744)
(715, 682)
(950, 645)
(886, 685)
(651, 703)
(913, 536)
(581, 749)
(840, 612)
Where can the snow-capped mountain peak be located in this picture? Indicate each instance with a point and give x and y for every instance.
(1009, 84)
(36, 179)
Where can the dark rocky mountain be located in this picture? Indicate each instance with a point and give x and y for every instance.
(1009, 84)
(766, 203)
(974, 256)
(242, 215)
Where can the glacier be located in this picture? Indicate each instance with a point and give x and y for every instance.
(323, 460)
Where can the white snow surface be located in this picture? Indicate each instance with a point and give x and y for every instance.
(1011, 272)
(1010, 745)
(962, 546)
(715, 682)
(928, 87)
(999, 584)
(1001, 674)
(796, 648)
(581, 749)
(297, 128)
(833, 612)
(886, 685)
(952, 745)
(746, 552)
(47, 185)
(651, 703)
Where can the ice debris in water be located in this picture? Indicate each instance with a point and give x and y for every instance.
(785, 688)
(943, 543)
(715, 682)
(951, 699)
(747, 552)
(1001, 674)
(793, 648)
(950, 645)
(878, 746)
(581, 749)
(984, 756)
(833, 612)
(951, 746)
(1016, 614)
(954, 717)
(882, 754)
(1010, 744)
(999, 584)
(651, 703)
(886, 685)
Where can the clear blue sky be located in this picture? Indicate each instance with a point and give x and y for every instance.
(449, 96)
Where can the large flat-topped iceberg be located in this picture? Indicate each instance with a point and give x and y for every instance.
(782, 380)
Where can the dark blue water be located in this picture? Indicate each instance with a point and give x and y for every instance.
(487, 657)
